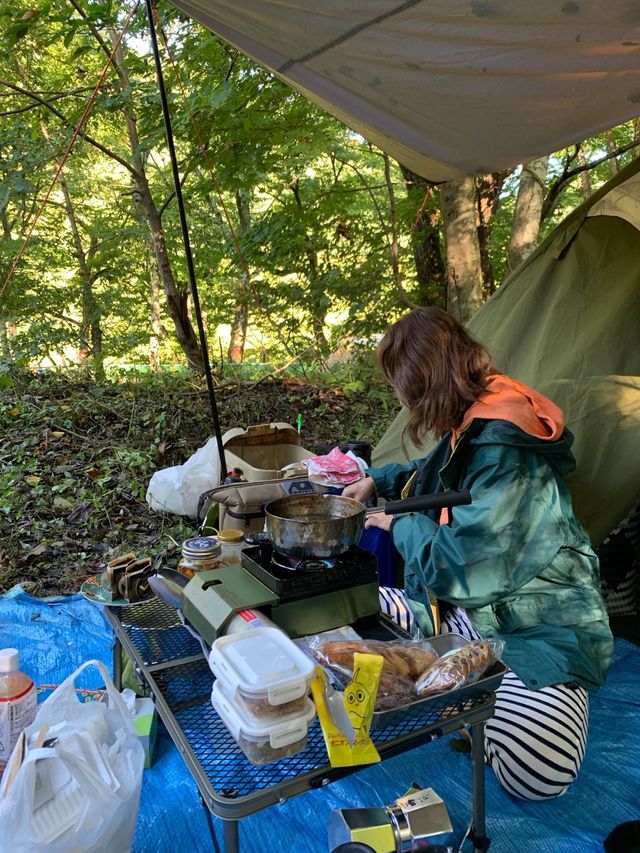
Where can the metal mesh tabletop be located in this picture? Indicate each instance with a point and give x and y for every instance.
(171, 662)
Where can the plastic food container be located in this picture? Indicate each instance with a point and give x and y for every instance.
(267, 675)
(263, 743)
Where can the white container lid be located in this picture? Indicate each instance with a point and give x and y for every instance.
(9, 660)
(279, 734)
(262, 662)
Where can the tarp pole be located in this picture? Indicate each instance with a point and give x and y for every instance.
(186, 241)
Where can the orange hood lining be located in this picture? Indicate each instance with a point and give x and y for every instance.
(507, 399)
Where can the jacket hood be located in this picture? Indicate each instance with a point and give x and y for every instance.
(510, 413)
(507, 399)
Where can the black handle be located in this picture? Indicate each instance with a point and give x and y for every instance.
(438, 500)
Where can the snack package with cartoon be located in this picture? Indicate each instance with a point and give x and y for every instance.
(346, 717)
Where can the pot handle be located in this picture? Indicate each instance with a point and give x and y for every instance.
(438, 500)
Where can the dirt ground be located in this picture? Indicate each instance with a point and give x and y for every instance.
(76, 459)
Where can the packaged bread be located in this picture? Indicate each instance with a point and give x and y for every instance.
(402, 663)
(458, 668)
(405, 660)
(394, 692)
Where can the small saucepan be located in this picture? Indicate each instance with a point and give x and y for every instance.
(325, 526)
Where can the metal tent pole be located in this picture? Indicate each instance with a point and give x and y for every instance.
(185, 240)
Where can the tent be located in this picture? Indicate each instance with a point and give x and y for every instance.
(567, 322)
(447, 87)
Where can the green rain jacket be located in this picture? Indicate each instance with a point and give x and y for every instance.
(516, 559)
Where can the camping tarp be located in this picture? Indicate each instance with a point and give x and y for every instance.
(567, 322)
(448, 87)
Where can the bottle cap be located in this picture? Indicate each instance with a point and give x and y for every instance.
(9, 660)
(201, 547)
(229, 535)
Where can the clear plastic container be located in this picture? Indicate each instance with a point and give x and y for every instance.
(263, 743)
(18, 700)
(274, 714)
(266, 673)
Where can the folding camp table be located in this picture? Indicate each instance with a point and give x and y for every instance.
(172, 666)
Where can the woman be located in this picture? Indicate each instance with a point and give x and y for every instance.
(515, 564)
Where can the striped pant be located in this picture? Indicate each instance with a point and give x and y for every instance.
(536, 740)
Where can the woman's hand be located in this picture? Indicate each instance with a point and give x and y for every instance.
(361, 490)
(378, 519)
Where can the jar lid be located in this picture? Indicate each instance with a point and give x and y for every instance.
(201, 547)
(229, 535)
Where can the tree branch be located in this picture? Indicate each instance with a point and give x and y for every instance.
(569, 174)
(101, 41)
(107, 151)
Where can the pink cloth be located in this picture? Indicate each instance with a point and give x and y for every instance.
(336, 468)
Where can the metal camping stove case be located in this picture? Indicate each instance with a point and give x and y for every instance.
(301, 596)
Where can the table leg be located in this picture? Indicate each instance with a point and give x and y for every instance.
(231, 836)
(212, 830)
(117, 664)
(478, 829)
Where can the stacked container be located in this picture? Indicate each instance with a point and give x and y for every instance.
(262, 692)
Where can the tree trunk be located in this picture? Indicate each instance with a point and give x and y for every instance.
(317, 312)
(177, 298)
(488, 189)
(4, 338)
(527, 213)
(238, 333)
(585, 180)
(90, 331)
(398, 276)
(464, 263)
(611, 146)
(425, 239)
(241, 312)
(156, 322)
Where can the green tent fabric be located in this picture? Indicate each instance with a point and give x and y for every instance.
(567, 322)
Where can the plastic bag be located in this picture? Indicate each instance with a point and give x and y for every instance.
(178, 489)
(403, 662)
(459, 668)
(77, 789)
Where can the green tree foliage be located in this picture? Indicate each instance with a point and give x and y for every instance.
(299, 234)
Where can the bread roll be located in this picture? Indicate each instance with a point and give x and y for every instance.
(406, 660)
(456, 669)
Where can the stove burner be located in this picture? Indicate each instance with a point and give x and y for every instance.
(296, 564)
(293, 579)
(315, 565)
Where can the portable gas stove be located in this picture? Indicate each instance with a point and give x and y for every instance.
(300, 596)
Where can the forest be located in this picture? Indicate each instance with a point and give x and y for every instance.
(307, 241)
(305, 237)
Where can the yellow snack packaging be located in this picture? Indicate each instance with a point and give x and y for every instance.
(345, 718)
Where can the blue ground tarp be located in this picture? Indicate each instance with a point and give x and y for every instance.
(56, 636)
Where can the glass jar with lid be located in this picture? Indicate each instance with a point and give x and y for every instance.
(232, 542)
(200, 554)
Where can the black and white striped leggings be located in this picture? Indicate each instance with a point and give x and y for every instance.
(536, 740)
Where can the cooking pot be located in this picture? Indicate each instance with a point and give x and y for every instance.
(328, 525)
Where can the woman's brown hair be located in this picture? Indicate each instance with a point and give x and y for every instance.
(436, 368)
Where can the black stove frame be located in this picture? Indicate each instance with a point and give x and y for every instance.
(353, 568)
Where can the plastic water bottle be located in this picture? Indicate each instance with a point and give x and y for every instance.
(17, 703)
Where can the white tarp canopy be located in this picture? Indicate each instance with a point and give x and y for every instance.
(447, 87)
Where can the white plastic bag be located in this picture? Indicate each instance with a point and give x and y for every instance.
(178, 489)
(78, 787)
